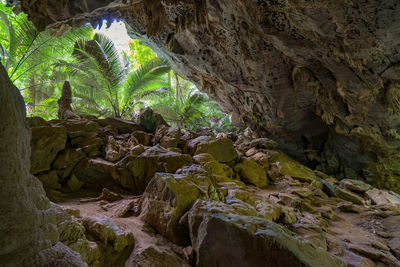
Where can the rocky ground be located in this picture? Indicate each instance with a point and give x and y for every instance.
(146, 194)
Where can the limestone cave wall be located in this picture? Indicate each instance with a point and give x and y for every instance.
(28, 223)
(321, 77)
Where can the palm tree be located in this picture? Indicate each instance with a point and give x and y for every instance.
(28, 49)
(102, 78)
(183, 105)
(28, 54)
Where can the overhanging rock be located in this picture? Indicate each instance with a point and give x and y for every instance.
(319, 77)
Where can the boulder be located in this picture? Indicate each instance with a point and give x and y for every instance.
(142, 168)
(288, 166)
(77, 128)
(168, 197)
(251, 172)
(122, 126)
(383, 197)
(90, 144)
(142, 137)
(115, 244)
(221, 149)
(258, 242)
(263, 143)
(61, 256)
(152, 256)
(97, 173)
(170, 160)
(139, 171)
(220, 172)
(72, 234)
(355, 185)
(66, 160)
(108, 233)
(263, 160)
(150, 120)
(137, 150)
(246, 202)
(160, 132)
(46, 142)
(112, 152)
(74, 184)
(50, 180)
(333, 190)
(170, 137)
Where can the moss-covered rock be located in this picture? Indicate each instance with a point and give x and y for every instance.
(293, 168)
(72, 234)
(355, 185)
(154, 256)
(251, 172)
(333, 190)
(114, 243)
(258, 242)
(221, 149)
(218, 171)
(168, 197)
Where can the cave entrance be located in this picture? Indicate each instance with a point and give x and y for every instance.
(109, 74)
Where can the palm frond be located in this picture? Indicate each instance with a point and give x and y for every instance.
(146, 78)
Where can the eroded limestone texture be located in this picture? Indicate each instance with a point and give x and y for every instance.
(320, 77)
(181, 198)
(29, 235)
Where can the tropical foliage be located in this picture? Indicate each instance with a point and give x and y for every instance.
(184, 105)
(139, 53)
(28, 55)
(105, 82)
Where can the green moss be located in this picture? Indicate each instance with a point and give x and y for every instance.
(384, 170)
(218, 171)
(294, 168)
(187, 189)
(251, 172)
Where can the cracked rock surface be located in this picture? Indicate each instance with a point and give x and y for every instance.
(187, 201)
(320, 77)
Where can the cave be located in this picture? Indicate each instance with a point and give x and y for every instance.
(319, 79)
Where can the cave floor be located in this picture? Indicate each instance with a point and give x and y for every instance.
(358, 234)
(145, 236)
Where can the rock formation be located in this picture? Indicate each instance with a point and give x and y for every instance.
(64, 103)
(28, 226)
(319, 77)
(172, 197)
